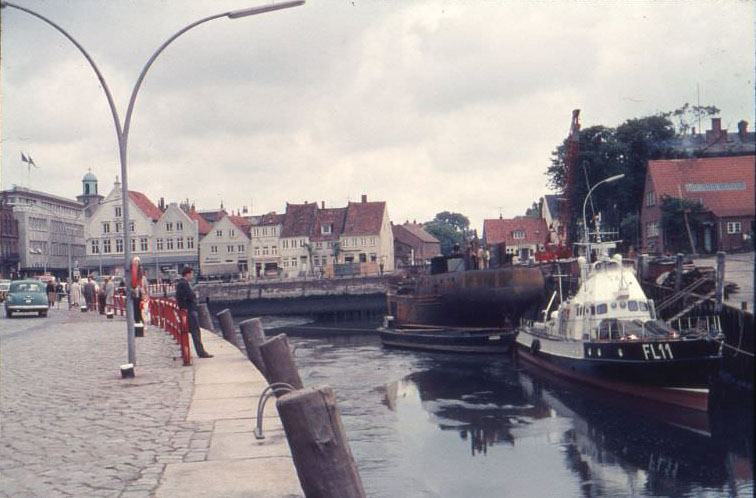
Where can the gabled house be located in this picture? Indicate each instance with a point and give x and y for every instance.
(296, 230)
(324, 242)
(523, 236)
(725, 188)
(367, 237)
(551, 213)
(264, 232)
(224, 251)
(413, 245)
(175, 240)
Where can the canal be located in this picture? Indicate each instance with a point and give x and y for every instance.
(455, 426)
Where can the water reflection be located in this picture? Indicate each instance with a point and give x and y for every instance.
(611, 446)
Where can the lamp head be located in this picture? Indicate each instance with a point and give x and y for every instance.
(236, 14)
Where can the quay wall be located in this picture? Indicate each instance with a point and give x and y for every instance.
(241, 291)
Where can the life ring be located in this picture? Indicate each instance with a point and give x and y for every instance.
(535, 346)
(136, 272)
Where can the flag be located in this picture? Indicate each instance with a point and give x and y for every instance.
(23, 158)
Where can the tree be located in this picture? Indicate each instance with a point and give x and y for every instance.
(534, 211)
(681, 218)
(448, 228)
(687, 116)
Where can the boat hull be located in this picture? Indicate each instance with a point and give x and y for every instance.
(675, 372)
(491, 341)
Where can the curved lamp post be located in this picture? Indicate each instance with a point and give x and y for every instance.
(122, 132)
(585, 202)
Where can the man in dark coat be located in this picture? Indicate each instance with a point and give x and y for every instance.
(89, 294)
(188, 301)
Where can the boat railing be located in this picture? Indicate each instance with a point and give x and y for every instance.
(698, 325)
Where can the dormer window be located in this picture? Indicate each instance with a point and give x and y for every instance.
(326, 229)
(518, 234)
(118, 211)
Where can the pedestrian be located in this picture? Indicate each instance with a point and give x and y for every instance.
(89, 294)
(109, 293)
(50, 288)
(187, 300)
(140, 296)
(68, 292)
(486, 258)
(75, 295)
(101, 298)
(59, 292)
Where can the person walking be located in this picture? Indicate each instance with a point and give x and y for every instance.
(59, 292)
(89, 294)
(187, 300)
(50, 288)
(109, 294)
(75, 295)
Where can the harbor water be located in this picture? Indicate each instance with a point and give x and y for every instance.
(460, 426)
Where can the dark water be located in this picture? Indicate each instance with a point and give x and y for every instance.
(437, 425)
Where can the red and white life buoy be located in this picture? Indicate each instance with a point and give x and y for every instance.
(136, 272)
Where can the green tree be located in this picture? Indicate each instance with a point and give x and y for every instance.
(681, 218)
(448, 228)
(687, 116)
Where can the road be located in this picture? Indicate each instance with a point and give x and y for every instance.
(70, 426)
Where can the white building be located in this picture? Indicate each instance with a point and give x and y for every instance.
(224, 251)
(264, 234)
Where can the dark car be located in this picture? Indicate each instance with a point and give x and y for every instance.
(26, 296)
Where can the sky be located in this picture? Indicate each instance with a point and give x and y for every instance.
(427, 105)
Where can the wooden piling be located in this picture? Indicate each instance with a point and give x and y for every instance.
(253, 336)
(279, 362)
(678, 271)
(719, 289)
(226, 321)
(318, 444)
(206, 322)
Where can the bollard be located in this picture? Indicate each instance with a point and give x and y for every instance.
(127, 371)
(204, 317)
(279, 363)
(318, 444)
(253, 336)
(138, 329)
(227, 326)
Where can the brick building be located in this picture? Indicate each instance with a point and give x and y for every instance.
(523, 236)
(413, 245)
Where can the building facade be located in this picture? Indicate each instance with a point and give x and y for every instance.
(724, 187)
(413, 245)
(523, 236)
(264, 233)
(9, 255)
(224, 251)
(50, 232)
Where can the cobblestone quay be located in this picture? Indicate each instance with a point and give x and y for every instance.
(70, 426)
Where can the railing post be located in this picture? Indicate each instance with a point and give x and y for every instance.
(186, 353)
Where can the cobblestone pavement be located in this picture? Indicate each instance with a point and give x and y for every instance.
(71, 426)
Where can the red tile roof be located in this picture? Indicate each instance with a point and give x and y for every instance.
(364, 218)
(203, 227)
(409, 230)
(145, 205)
(725, 185)
(500, 230)
(240, 222)
(299, 220)
(268, 219)
(331, 216)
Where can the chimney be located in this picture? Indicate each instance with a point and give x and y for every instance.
(716, 125)
(322, 204)
(742, 129)
(244, 210)
(161, 204)
(364, 198)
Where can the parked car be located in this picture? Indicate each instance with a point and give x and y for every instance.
(26, 295)
(4, 286)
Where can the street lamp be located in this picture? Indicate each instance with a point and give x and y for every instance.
(122, 132)
(585, 202)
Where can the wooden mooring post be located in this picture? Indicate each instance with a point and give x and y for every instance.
(318, 444)
(719, 289)
(226, 321)
(279, 362)
(678, 272)
(206, 322)
(253, 336)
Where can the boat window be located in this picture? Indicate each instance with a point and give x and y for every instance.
(601, 309)
(593, 310)
(632, 306)
(614, 305)
(643, 306)
(623, 304)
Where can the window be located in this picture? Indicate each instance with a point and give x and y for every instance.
(373, 257)
(518, 234)
(363, 241)
(257, 251)
(132, 227)
(232, 233)
(652, 229)
(643, 306)
(346, 243)
(169, 243)
(133, 244)
(214, 249)
(301, 242)
(255, 232)
(229, 248)
(632, 306)
(265, 231)
(179, 242)
(734, 227)
(273, 231)
(651, 199)
(319, 245)
(294, 262)
(169, 227)
(363, 257)
(240, 248)
(219, 233)
(265, 250)
(326, 229)
(372, 241)
(118, 211)
(118, 226)
(601, 309)
(106, 227)
(285, 244)
(159, 244)
(95, 247)
(179, 225)
(143, 244)
(190, 242)
(274, 250)
(119, 245)
(106, 246)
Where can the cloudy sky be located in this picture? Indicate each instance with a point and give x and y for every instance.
(430, 106)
